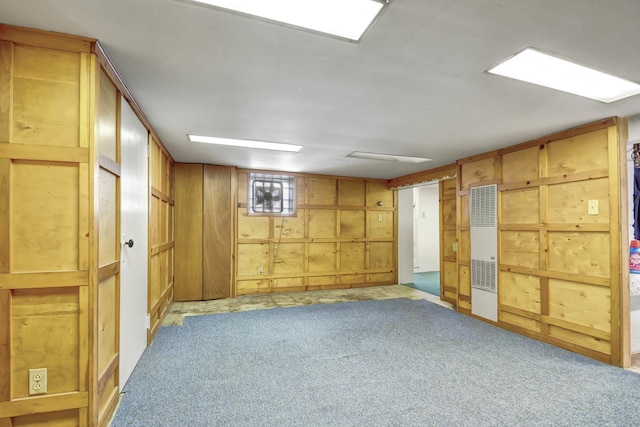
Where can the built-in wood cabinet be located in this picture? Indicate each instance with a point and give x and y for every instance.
(205, 227)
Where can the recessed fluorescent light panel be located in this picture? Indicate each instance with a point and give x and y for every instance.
(388, 157)
(348, 19)
(539, 68)
(246, 143)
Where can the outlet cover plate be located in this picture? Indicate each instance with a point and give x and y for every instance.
(37, 381)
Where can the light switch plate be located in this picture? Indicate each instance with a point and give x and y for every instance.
(593, 207)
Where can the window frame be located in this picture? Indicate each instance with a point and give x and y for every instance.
(267, 177)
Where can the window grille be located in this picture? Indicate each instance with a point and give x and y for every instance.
(271, 194)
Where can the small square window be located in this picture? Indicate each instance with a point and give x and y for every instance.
(271, 194)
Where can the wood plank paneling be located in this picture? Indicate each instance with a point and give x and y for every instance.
(59, 352)
(5, 345)
(322, 191)
(322, 224)
(520, 166)
(5, 215)
(352, 192)
(44, 203)
(6, 89)
(46, 104)
(343, 235)
(217, 232)
(108, 218)
(188, 239)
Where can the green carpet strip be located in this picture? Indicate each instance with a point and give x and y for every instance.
(376, 363)
(426, 282)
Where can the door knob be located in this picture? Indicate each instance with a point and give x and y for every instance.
(129, 243)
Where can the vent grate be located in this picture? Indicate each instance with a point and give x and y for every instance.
(483, 209)
(483, 275)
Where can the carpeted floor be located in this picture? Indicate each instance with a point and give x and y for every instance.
(373, 363)
(426, 282)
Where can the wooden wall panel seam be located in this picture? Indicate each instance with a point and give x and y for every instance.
(595, 227)
(573, 277)
(44, 280)
(43, 404)
(5, 345)
(575, 327)
(107, 372)
(44, 153)
(160, 195)
(5, 212)
(602, 357)
(439, 173)
(45, 39)
(108, 270)
(6, 90)
(569, 133)
(110, 165)
(162, 247)
(620, 293)
(561, 179)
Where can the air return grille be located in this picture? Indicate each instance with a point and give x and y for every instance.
(483, 275)
(483, 208)
(484, 252)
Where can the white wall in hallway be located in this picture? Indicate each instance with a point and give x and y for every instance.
(427, 224)
(405, 235)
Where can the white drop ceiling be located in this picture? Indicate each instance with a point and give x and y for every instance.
(416, 85)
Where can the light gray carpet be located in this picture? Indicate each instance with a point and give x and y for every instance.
(376, 363)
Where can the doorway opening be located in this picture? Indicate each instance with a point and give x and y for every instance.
(425, 223)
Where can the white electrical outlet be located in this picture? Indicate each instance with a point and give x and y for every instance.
(37, 381)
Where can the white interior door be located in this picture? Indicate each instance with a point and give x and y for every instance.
(134, 211)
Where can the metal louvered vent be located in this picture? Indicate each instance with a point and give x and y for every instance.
(483, 275)
(483, 208)
(484, 251)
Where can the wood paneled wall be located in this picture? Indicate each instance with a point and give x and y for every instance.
(343, 236)
(560, 271)
(59, 227)
(448, 239)
(161, 236)
(105, 297)
(45, 226)
(205, 243)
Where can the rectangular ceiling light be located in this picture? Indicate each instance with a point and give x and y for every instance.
(388, 157)
(347, 19)
(246, 143)
(539, 68)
